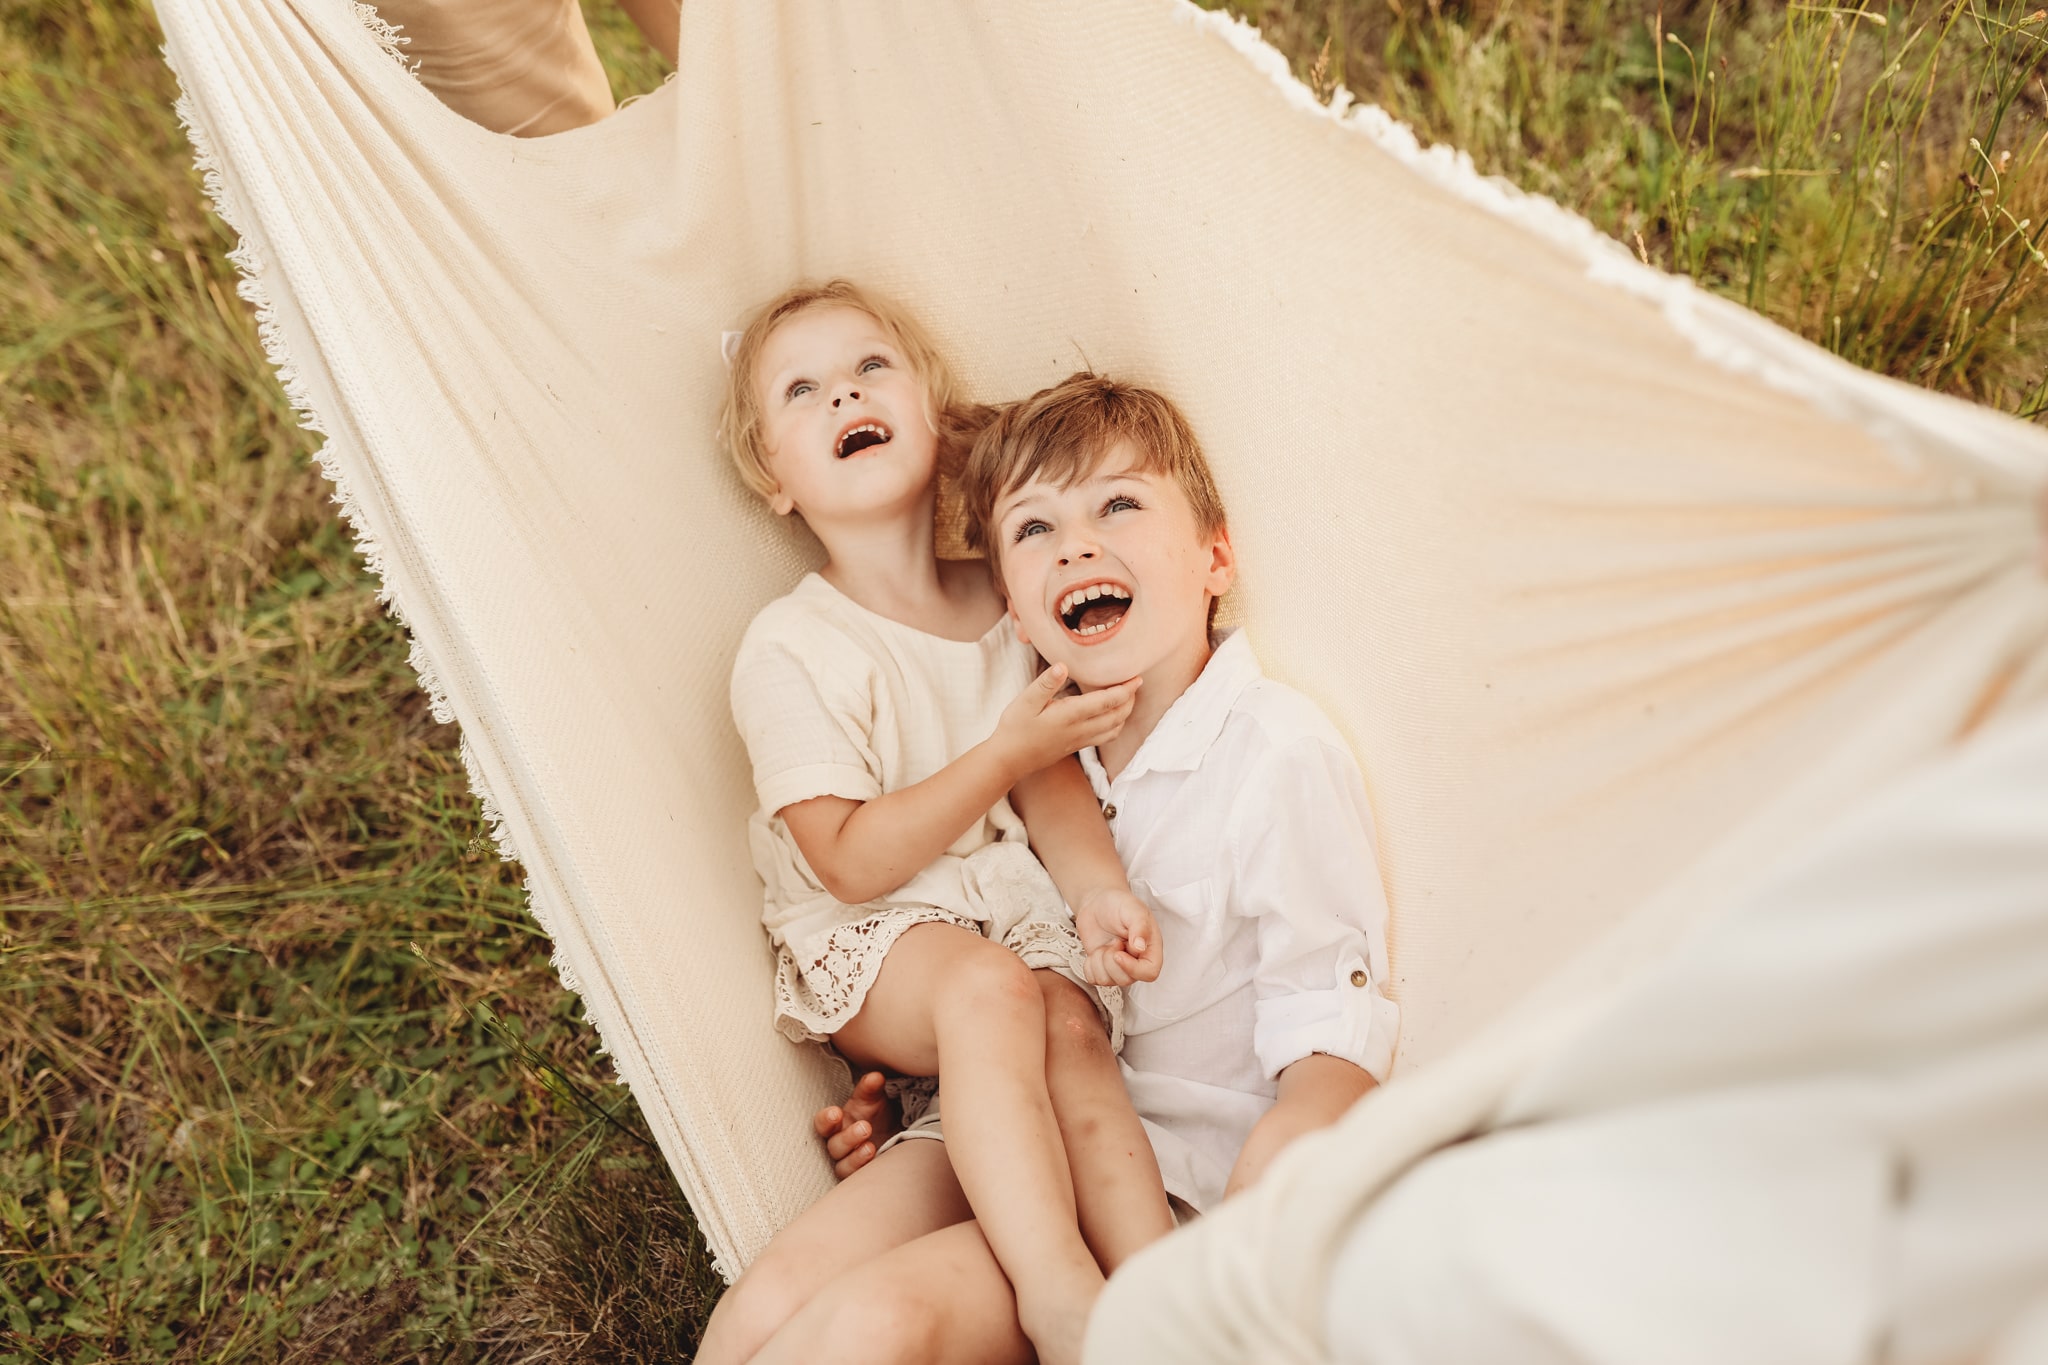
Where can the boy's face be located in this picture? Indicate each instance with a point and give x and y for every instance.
(1110, 577)
(843, 417)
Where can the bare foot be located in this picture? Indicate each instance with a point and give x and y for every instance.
(1057, 1325)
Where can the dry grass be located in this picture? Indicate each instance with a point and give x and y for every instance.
(284, 1073)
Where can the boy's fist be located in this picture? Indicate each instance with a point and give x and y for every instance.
(853, 1132)
(1044, 724)
(1119, 937)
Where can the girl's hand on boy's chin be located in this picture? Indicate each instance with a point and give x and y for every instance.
(1045, 723)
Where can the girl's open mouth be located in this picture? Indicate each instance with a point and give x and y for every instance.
(862, 436)
(1094, 610)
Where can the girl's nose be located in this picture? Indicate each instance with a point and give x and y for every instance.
(853, 394)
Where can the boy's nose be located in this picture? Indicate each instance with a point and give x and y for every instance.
(1074, 555)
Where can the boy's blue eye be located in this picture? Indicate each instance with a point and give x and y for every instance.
(1028, 528)
(1121, 503)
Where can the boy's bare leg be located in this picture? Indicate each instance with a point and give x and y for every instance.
(903, 1194)
(952, 1004)
(1116, 1177)
(940, 1300)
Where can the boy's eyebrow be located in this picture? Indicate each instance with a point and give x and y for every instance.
(1033, 491)
(1005, 506)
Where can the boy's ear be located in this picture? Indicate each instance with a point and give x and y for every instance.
(1222, 563)
(1016, 621)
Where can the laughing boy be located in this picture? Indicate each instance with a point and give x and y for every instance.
(1238, 810)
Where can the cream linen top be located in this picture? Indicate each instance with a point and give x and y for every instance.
(835, 700)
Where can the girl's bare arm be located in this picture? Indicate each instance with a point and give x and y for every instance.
(865, 849)
(1072, 839)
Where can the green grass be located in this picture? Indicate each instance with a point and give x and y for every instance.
(284, 1072)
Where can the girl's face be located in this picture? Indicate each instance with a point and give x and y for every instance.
(845, 420)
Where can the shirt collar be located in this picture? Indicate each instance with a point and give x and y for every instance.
(1182, 738)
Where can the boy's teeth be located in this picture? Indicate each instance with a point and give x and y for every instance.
(1081, 596)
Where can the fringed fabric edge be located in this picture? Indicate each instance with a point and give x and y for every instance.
(249, 269)
(1707, 322)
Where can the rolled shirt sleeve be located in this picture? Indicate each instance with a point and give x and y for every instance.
(1303, 865)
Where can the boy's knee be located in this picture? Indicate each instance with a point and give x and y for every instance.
(1073, 1025)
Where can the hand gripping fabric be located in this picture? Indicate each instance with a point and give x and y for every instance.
(1617, 589)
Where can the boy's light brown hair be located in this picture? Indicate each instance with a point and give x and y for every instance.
(1062, 434)
(956, 420)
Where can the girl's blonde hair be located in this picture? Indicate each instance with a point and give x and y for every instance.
(956, 420)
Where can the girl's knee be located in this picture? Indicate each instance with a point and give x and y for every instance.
(993, 977)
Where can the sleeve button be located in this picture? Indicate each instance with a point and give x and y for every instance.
(1108, 811)
(1359, 978)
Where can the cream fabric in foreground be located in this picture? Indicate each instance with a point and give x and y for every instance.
(1617, 590)
(1813, 1135)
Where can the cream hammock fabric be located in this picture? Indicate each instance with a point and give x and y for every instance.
(1618, 590)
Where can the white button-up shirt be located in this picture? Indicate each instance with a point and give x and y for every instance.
(1243, 824)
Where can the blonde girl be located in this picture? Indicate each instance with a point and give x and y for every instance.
(909, 759)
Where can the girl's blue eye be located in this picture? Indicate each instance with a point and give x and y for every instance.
(1029, 528)
(873, 362)
(797, 390)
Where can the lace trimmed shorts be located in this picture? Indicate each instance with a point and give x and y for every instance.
(813, 999)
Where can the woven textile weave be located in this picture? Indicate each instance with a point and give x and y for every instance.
(1618, 590)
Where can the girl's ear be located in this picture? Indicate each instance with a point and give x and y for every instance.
(780, 503)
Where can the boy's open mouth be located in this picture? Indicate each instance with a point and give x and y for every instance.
(1094, 608)
(859, 437)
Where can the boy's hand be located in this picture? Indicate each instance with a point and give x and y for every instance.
(854, 1132)
(1042, 726)
(1119, 937)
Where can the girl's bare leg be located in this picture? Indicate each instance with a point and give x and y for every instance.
(940, 1300)
(952, 1004)
(903, 1194)
(1116, 1177)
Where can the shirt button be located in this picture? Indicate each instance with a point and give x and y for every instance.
(1108, 811)
(1359, 978)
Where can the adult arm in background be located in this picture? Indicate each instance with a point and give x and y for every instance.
(660, 23)
(525, 67)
